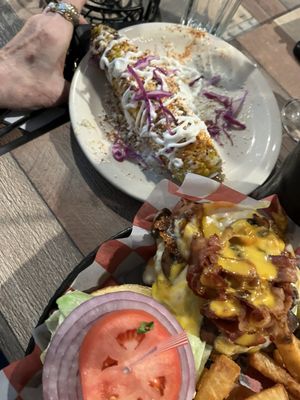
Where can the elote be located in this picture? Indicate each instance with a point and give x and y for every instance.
(158, 111)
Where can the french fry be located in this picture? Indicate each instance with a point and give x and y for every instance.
(276, 392)
(219, 380)
(267, 367)
(290, 353)
(239, 393)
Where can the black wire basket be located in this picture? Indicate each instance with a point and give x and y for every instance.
(120, 13)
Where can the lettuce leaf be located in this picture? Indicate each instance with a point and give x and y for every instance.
(68, 302)
(201, 351)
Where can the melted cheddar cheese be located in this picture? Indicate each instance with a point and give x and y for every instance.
(184, 235)
(246, 248)
(225, 308)
(179, 299)
(245, 251)
(262, 295)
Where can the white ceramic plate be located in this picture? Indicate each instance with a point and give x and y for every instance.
(247, 163)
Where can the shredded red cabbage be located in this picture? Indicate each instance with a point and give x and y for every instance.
(122, 151)
(143, 92)
(228, 116)
(224, 129)
(158, 79)
(213, 81)
(165, 71)
(237, 104)
(192, 83)
(225, 118)
(169, 150)
(144, 62)
(169, 116)
(153, 95)
(118, 151)
(222, 99)
(213, 128)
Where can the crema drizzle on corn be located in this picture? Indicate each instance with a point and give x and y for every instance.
(188, 125)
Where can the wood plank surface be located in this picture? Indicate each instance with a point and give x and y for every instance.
(10, 23)
(289, 23)
(280, 93)
(272, 47)
(89, 208)
(264, 10)
(36, 254)
(25, 8)
(290, 4)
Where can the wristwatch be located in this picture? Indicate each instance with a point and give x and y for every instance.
(67, 10)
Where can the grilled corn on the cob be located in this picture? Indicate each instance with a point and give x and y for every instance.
(160, 119)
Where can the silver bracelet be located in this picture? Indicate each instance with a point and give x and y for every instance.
(67, 10)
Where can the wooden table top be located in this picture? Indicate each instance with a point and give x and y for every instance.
(55, 208)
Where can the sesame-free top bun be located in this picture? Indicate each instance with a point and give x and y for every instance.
(121, 288)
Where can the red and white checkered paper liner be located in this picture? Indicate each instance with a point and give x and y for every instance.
(21, 380)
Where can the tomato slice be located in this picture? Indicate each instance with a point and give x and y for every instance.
(112, 344)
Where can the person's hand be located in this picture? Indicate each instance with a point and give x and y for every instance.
(32, 64)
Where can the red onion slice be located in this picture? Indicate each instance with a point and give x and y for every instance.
(60, 372)
(250, 383)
